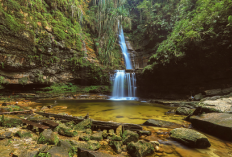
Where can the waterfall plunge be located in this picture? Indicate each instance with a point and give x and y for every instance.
(124, 84)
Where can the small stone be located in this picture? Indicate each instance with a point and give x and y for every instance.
(124, 148)
(84, 138)
(155, 143)
(144, 132)
(6, 134)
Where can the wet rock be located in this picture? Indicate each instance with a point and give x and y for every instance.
(111, 132)
(144, 132)
(161, 123)
(23, 134)
(184, 111)
(116, 138)
(218, 105)
(6, 134)
(129, 136)
(190, 137)
(66, 131)
(58, 152)
(89, 153)
(140, 148)
(85, 124)
(119, 130)
(84, 138)
(217, 124)
(88, 131)
(116, 145)
(97, 136)
(66, 145)
(104, 134)
(32, 151)
(49, 137)
(93, 145)
(11, 122)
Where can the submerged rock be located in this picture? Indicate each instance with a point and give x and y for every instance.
(218, 124)
(140, 148)
(49, 137)
(129, 136)
(190, 137)
(161, 123)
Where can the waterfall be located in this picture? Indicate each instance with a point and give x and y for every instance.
(124, 83)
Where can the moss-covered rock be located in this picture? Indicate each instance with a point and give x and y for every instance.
(140, 148)
(88, 131)
(97, 136)
(119, 130)
(23, 134)
(11, 122)
(129, 136)
(111, 132)
(66, 131)
(93, 145)
(190, 137)
(84, 138)
(66, 146)
(116, 138)
(49, 137)
(85, 124)
(184, 110)
(104, 134)
(116, 145)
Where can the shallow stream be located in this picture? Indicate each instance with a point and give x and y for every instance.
(137, 113)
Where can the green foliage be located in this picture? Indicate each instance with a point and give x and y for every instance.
(230, 19)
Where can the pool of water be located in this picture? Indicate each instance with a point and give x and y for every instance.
(137, 112)
(118, 111)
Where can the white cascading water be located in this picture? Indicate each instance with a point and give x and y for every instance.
(124, 84)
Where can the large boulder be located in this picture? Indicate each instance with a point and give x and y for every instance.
(190, 137)
(161, 123)
(140, 148)
(49, 137)
(66, 131)
(85, 124)
(129, 136)
(218, 124)
(218, 105)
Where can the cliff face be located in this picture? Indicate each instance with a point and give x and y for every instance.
(43, 42)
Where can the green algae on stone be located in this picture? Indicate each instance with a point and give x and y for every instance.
(190, 137)
(140, 148)
(23, 134)
(49, 137)
(116, 145)
(85, 124)
(97, 136)
(116, 138)
(129, 136)
(66, 131)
